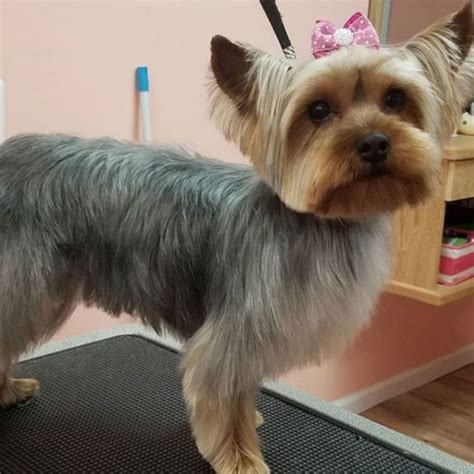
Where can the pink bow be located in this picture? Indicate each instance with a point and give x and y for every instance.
(327, 39)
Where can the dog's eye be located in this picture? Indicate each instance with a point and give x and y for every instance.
(319, 111)
(395, 99)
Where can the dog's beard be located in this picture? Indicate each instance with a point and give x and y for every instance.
(371, 196)
(326, 176)
(261, 103)
(408, 177)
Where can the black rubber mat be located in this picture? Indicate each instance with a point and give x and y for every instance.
(116, 406)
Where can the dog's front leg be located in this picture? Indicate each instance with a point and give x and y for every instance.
(221, 403)
(226, 436)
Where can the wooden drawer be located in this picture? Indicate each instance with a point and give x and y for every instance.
(460, 180)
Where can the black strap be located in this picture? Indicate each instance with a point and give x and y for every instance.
(274, 16)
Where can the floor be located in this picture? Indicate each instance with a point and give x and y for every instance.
(440, 413)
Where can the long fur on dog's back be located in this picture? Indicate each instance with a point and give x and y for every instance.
(176, 239)
(133, 221)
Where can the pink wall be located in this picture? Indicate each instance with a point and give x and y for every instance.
(408, 17)
(403, 334)
(69, 67)
(1, 38)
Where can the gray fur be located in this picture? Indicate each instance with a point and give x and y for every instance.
(180, 242)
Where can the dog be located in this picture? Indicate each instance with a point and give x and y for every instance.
(257, 269)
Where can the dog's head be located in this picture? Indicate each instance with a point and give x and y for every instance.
(356, 133)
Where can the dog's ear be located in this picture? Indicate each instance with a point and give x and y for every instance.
(450, 39)
(230, 64)
(445, 53)
(248, 98)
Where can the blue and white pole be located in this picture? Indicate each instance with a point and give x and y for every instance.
(144, 92)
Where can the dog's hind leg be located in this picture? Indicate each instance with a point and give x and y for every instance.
(221, 402)
(15, 338)
(32, 307)
(13, 391)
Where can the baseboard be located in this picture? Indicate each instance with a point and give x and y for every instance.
(362, 400)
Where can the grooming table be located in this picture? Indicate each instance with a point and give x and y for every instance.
(112, 403)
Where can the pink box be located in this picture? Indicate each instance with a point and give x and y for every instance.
(457, 262)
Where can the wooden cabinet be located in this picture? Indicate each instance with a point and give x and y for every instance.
(418, 232)
(459, 180)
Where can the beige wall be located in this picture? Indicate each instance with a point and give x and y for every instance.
(69, 67)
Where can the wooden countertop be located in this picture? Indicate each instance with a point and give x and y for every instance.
(438, 296)
(461, 147)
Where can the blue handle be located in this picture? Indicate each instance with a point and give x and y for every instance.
(142, 79)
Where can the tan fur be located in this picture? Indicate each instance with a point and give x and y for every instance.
(230, 445)
(314, 167)
(13, 391)
(223, 425)
(445, 53)
(324, 174)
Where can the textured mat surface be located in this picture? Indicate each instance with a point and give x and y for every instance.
(116, 406)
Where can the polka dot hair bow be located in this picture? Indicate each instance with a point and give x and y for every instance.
(327, 39)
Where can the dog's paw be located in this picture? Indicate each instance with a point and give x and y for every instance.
(242, 464)
(17, 390)
(253, 468)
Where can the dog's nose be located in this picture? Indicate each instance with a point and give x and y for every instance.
(374, 147)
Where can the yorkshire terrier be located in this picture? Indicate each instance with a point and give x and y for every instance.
(259, 270)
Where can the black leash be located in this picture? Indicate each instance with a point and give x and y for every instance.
(274, 16)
